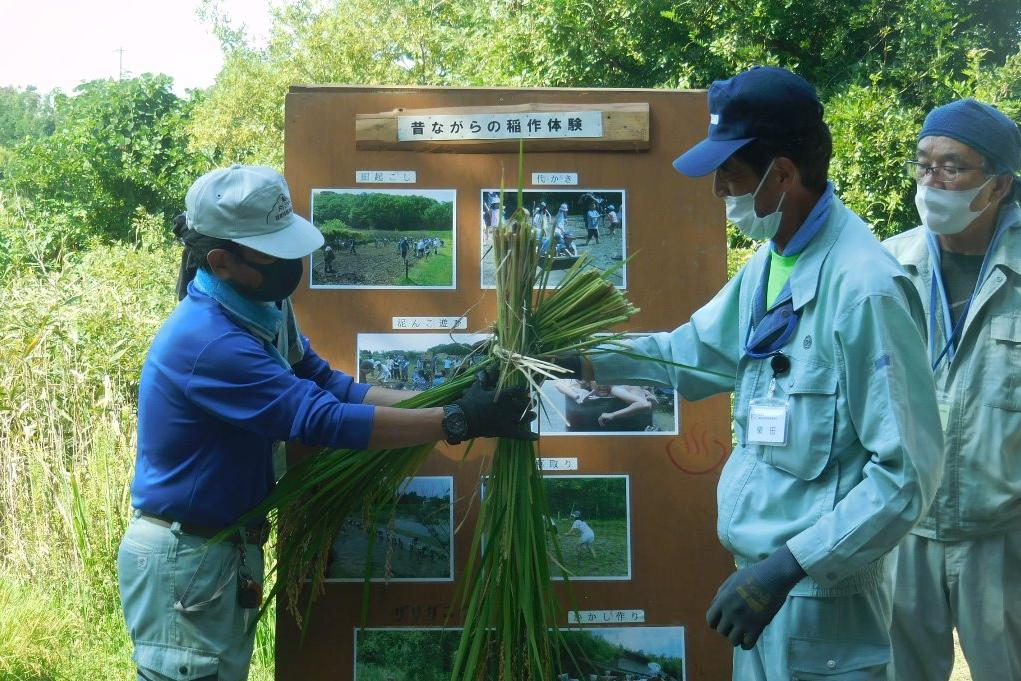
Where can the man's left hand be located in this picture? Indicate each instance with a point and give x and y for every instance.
(750, 598)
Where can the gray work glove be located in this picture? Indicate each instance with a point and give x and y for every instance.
(488, 413)
(750, 598)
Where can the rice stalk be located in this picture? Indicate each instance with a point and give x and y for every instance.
(511, 610)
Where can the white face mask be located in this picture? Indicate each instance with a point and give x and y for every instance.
(947, 211)
(741, 211)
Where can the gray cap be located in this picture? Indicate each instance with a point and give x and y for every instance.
(250, 205)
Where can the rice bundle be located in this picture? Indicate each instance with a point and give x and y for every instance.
(510, 607)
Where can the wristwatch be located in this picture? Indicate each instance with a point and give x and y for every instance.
(455, 425)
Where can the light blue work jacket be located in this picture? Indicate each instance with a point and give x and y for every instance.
(864, 445)
(980, 391)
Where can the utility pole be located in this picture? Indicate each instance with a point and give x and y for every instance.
(120, 63)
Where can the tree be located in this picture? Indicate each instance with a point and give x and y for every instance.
(117, 146)
(24, 114)
(919, 53)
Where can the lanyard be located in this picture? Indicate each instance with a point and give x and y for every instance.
(938, 296)
(771, 328)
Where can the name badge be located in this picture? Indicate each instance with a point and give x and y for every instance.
(767, 422)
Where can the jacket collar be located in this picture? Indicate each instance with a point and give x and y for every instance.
(804, 279)
(1008, 250)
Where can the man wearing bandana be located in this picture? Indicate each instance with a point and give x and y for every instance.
(960, 568)
(838, 446)
(227, 380)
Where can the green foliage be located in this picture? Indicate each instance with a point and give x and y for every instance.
(72, 341)
(879, 65)
(873, 134)
(594, 498)
(118, 146)
(453, 349)
(422, 655)
(335, 231)
(24, 114)
(393, 42)
(339, 212)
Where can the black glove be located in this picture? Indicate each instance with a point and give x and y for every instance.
(488, 413)
(750, 598)
(572, 361)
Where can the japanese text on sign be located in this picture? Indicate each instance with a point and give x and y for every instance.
(558, 464)
(500, 126)
(606, 617)
(386, 176)
(555, 178)
(430, 323)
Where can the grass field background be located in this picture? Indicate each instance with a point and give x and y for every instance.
(611, 547)
(382, 265)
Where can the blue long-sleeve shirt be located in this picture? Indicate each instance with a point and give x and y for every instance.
(213, 400)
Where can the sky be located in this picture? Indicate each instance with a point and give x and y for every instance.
(428, 486)
(60, 43)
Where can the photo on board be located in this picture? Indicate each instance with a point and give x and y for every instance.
(385, 238)
(591, 516)
(577, 407)
(638, 653)
(413, 361)
(569, 223)
(411, 540)
(619, 653)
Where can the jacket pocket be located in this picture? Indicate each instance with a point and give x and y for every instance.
(176, 662)
(1002, 382)
(811, 408)
(835, 661)
(203, 574)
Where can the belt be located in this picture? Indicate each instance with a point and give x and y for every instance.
(253, 535)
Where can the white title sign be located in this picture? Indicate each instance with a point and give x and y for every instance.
(386, 176)
(559, 464)
(606, 617)
(500, 126)
(555, 178)
(430, 323)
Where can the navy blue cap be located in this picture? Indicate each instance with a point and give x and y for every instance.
(982, 127)
(762, 102)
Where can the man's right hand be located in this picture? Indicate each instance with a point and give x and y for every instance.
(491, 414)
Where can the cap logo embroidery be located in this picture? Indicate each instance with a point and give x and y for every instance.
(714, 119)
(281, 209)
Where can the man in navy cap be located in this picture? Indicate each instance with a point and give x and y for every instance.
(961, 566)
(817, 338)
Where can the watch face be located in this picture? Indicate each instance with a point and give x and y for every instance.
(454, 424)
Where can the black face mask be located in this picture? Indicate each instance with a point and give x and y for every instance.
(279, 279)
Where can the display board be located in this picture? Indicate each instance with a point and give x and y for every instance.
(405, 203)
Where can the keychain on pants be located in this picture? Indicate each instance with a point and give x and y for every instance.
(249, 590)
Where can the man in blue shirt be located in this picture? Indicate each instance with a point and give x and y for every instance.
(228, 379)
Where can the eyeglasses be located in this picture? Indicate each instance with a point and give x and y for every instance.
(917, 171)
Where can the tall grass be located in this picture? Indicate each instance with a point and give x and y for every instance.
(72, 341)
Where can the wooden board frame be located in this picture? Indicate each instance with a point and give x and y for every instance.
(676, 228)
